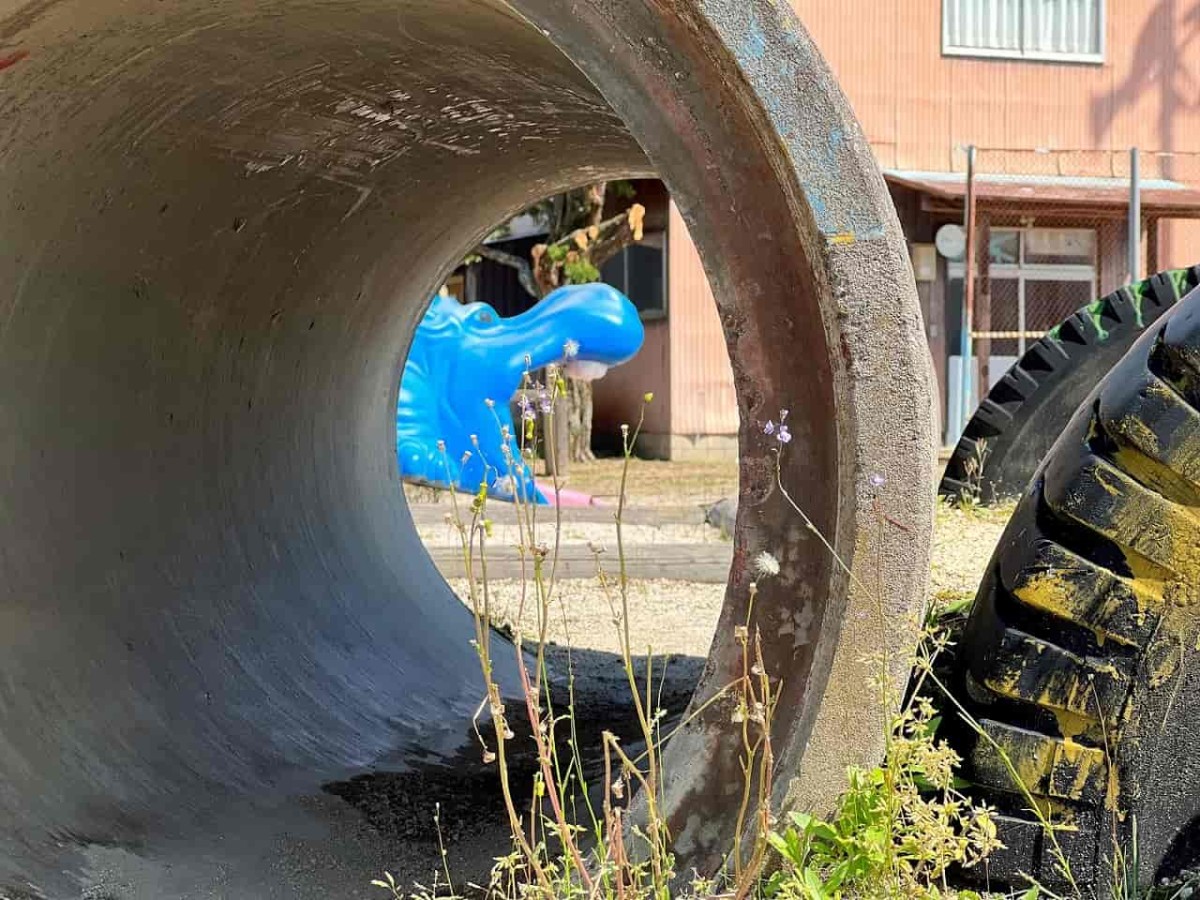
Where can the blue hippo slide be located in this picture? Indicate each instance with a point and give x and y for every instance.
(462, 356)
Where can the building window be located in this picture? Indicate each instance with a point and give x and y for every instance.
(639, 272)
(1038, 276)
(1071, 30)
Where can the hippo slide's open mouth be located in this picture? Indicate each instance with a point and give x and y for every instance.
(585, 369)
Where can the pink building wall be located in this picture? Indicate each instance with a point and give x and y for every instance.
(919, 108)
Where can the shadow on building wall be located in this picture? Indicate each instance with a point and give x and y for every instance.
(1159, 68)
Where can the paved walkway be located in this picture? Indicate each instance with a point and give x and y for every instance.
(695, 562)
(705, 563)
(435, 513)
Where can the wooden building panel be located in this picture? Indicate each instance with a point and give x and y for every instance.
(703, 401)
(916, 104)
(617, 397)
(923, 90)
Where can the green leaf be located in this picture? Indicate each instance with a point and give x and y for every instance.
(773, 885)
(782, 846)
(801, 819)
(815, 888)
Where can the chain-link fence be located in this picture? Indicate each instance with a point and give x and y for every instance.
(1045, 233)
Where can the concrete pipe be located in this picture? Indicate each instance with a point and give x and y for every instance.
(221, 220)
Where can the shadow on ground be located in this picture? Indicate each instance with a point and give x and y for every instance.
(466, 793)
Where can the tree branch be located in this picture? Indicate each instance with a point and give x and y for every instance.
(615, 234)
(597, 244)
(524, 271)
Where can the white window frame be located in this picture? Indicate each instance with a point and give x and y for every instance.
(1097, 58)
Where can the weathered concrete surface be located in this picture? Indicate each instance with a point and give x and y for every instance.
(219, 222)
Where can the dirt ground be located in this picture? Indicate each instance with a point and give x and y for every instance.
(650, 483)
(655, 482)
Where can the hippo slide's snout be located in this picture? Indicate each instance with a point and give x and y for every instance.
(600, 326)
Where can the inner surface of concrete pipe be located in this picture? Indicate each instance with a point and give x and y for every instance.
(220, 222)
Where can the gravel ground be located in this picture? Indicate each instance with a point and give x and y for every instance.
(675, 618)
(963, 541)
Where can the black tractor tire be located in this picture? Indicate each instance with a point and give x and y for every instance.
(1080, 659)
(1015, 425)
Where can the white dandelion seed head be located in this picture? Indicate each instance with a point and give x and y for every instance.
(766, 565)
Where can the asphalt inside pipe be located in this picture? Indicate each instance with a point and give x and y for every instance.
(221, 222)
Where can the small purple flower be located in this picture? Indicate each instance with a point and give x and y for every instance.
(780, 432)
(877, 480)
(527, 413)
(544, 401)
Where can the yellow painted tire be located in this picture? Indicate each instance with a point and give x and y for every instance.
(1079, 658)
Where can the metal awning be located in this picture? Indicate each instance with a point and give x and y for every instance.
(1160, 197)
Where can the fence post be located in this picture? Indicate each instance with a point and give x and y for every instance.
(968, 401)
(1135, 215)
(983, 303)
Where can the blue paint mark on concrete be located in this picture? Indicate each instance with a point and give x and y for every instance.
(820, 159)
(755, 46)
(817, 203)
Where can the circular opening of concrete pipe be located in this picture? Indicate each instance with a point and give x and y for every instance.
(222, 221)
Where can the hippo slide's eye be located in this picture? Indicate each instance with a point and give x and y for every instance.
(485, 318)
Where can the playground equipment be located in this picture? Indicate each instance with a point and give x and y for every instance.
(1079, 658)
(465, 363)
(222, 220)
(1014, 427)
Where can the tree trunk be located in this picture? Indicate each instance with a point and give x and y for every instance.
(579, 394)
